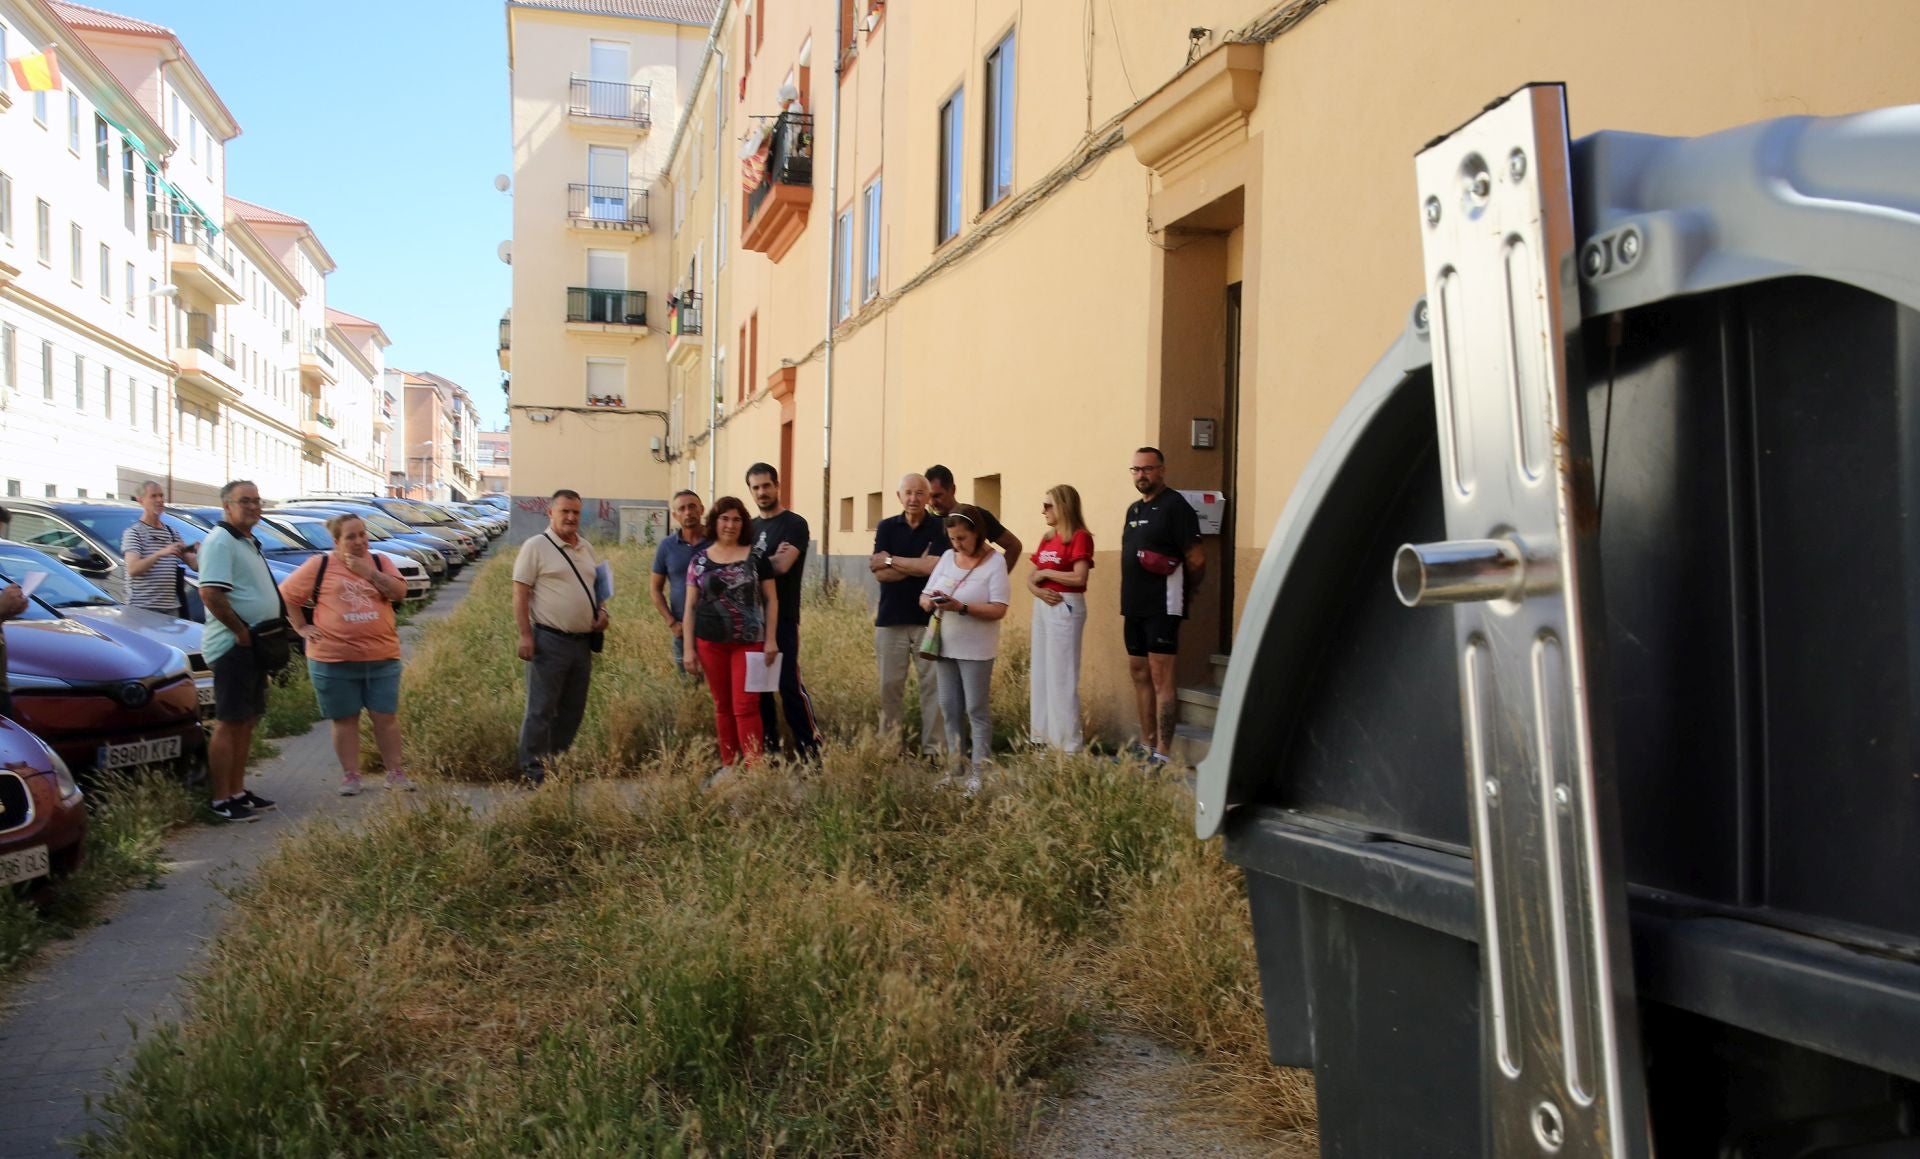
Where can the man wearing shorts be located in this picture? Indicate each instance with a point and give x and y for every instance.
(238, 590)
(1161, 561)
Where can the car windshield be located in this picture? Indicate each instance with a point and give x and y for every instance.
(60, 585)
(315, 533)
(418, 512)
(273, 539)
(108, 524)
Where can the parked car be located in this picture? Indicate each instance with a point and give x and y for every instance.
(311, 531)
(85, 535)
(497, 500)
(102, 696)
(293, 522)
(43, 814)
(416, 519)
(417, 514)
(70, 593)
(444, 544)
(484, 514)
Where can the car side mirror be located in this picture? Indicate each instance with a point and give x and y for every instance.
(86, 561)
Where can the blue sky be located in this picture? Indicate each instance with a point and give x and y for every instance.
(383, 125)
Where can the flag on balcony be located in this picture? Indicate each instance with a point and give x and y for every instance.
(38, 73)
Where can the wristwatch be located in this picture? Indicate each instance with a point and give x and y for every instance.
(889, 561)
(964, 611)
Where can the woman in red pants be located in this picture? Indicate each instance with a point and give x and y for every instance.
(731, 610)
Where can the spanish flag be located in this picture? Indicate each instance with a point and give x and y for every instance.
(36, 74)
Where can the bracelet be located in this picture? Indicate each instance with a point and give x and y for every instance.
(964, 611)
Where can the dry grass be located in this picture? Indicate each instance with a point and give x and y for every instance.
(839, 960)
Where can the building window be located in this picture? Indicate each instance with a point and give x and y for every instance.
(102, 156)
(997, 156)
(106, 389)
(40, 109)
(607, 382)
(753, 352)
(13, 488)
(870, 260)
(843, 266)
(153, 304)
(6, 207)
(43, 231)
(129, 185)
(952, 178)
(133, 403)
(741, 392)
(106, 273)
(10, 357)
(133, 288)
(76, 245)
(153, 407)
(80, 382)
(193, 135)
(46, 370)
(73, 122)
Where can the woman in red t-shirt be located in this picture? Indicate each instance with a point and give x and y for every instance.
(1058, 582)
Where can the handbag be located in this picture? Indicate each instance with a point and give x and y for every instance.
(595, 640)
(1156, 562)
(272, 640)
(930, 639)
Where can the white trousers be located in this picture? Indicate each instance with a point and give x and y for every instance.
(1053, 677)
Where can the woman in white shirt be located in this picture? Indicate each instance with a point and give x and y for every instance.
(968, 594)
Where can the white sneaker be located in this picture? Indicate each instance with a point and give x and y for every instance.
(350, 785)
(720, 774)
(973, 785)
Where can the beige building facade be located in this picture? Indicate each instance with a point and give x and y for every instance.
(1024, 239)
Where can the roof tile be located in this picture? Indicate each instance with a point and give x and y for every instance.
(670, 11)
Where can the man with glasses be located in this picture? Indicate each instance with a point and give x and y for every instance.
(157, 559)
(1161, 561)
(238, 591)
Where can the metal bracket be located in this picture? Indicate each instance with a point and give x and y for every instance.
(1561, 1049)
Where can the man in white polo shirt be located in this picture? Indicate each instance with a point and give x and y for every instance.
(558, 617)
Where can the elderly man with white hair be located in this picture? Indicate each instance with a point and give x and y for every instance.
(905, 548)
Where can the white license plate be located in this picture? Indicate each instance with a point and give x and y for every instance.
(139, 752)
(205, 693)
(23, 864)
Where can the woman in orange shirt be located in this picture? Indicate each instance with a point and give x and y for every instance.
(341, 603)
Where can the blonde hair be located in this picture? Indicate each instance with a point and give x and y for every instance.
(1066, 511)
(338, 523)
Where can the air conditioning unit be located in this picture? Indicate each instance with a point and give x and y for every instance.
(160, 221)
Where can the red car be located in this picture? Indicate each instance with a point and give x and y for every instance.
(43, 818)
(101, 696)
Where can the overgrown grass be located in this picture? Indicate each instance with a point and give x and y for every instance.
(463, 692)
(129, 817)
(845, 959)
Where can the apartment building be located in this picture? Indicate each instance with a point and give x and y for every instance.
(597, 91)
(439, 437)
(86, 387)
(362, 421)
(1025, 239)
(173, 322)
(495, 462)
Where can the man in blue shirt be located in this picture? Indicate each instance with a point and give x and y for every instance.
(670, 562)
(238, 592)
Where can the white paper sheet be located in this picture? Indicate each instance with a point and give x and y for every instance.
(761, 676)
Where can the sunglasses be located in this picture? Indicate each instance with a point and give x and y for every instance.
(1046, 507)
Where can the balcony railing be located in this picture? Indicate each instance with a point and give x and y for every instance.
(788, 157)
(188, 230)
(324, 419)
(206, 347)
(610, 100)
(316, 345)
(615, 205)
(683, 313)
(506, 333)
(615, 307)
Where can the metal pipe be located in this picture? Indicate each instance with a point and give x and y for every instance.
(1459, 572)
(833, 297)
(721, 184)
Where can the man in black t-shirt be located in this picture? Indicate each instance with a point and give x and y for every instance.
(781, 536)
(1161, 561)
(942, 499)
(905, 548)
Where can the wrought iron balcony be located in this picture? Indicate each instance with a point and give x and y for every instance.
(607, 206)
(608, 307)
(206, 347)
(788, 157)
(191, 231)
(506, 334)
(610, 101)
(683, 313)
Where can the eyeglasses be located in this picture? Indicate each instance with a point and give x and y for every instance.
(245, 502)
(1046, 507)
(1144, 470)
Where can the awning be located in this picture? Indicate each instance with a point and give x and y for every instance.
(131, 137)
(175, 192)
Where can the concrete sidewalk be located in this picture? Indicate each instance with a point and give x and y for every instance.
(72, 1022)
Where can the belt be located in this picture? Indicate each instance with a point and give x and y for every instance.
(558, 632)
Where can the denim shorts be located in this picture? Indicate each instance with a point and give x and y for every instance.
(344, 687)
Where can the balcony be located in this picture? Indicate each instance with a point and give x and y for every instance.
(198, 266)
(383, 415)
(205, 368)
(606, 207)
(321, 429)
(684, 341)
(316, 362)
(506, 341)
(620, 313)
(603, 102)
(777, 205)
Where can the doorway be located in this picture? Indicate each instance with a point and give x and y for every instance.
(1229, 438)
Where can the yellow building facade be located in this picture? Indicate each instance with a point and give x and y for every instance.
(1024, 239)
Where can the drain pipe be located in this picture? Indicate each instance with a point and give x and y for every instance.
(721, 179)
(707, 57)
(834, 243)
